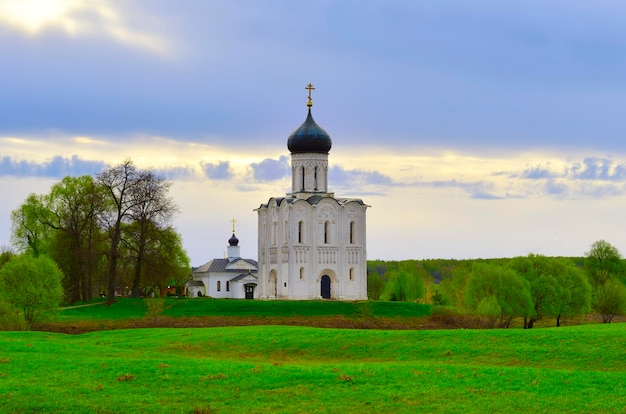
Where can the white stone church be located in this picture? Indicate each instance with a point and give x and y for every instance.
(312, 245)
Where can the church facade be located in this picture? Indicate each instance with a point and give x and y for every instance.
(312, 245)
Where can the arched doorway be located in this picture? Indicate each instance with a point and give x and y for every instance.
(325, 287)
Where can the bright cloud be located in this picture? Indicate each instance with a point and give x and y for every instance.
(81, 18)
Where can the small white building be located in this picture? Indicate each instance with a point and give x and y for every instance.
(312, 244)
(232, 277)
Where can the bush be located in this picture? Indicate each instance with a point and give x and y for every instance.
(31, 287)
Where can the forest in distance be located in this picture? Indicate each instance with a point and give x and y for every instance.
(527, 288)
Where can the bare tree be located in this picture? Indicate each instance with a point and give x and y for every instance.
(151, 214)
(121, 184)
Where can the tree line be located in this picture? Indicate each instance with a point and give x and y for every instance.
(528, 288)
(106, 233)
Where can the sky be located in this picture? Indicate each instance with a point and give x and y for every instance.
(473, 129)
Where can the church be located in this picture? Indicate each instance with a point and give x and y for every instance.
(312, 245)
(229, 278)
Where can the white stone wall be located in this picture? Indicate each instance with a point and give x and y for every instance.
(299, 255)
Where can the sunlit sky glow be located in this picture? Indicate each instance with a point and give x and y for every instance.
(472, 129)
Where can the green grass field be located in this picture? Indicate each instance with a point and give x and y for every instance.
(288, 369)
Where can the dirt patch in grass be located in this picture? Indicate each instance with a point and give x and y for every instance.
(78, 327)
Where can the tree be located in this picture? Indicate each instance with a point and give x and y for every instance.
(74, 206)
(490, 285)
(540, 273)
(610, 300)
(6, 254)
(405, 282)
(119, 183)
(29, 233)
(63, 224)
(557, 287)
(573, 296)
(603, 261)
(31, 286)
(152, 210)
(167, 262)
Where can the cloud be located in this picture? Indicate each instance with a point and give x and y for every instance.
(343, 178)
(219, 171)
(57, 167)
(598, 169)
(271, 170)
(81, 18)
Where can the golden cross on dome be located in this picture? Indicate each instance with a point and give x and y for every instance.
(233, 221)
(310, 88)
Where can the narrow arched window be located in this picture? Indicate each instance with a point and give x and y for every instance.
(228, 286)
(352, 273)
(351, 232)
(300, 232)
(274, 231)
(315, 177)
(327, 232)
(302, 273)
(302, 178)
(219, 285)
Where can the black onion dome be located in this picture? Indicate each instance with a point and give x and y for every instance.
(233, 241)
(309, 137)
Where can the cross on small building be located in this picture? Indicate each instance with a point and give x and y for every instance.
(233, 221)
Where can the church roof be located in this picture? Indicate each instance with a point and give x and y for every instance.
(309, 137)
(313, 200)
(243, 276)
(220, 265)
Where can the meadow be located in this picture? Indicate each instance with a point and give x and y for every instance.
(296, 369)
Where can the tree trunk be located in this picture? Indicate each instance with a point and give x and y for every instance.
(113, 260)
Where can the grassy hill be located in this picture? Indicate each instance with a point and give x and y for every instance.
(288, 369)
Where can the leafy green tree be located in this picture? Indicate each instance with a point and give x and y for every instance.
(557, 287)
(29, 234)
(405, 282)
(375, 285)
(610, 300)
(6, 254)
(491, 283)
(167, 262)
(31, 286)
(603, 261)
(573, 295)
(74, 206)
(540, 273)
(452, 287)
(63, 224)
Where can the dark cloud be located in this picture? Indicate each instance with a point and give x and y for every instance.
(598, 169)
(57, 167)
(176, 173)
(220, 171)
(537, 173)
(350, 178)
(485, 196)
(271, 170)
